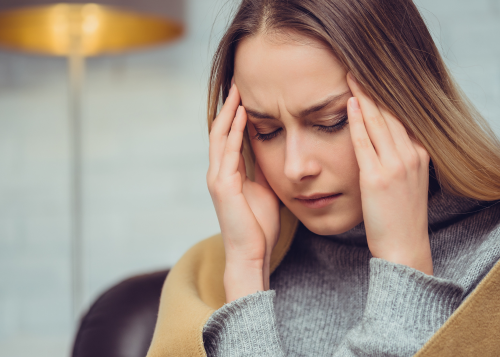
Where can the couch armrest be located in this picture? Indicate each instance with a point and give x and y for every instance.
(120, 323)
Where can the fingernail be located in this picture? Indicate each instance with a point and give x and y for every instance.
(352, 78)
(354, 103)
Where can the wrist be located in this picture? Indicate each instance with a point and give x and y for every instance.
(243, 278)
(266, 271)
(419, 259)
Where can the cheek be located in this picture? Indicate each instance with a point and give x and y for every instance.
(338, 158)
(271, 162)
(270, 156)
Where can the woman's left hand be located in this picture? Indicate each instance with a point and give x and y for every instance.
(394, 181)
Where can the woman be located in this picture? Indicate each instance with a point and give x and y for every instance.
(350, 125)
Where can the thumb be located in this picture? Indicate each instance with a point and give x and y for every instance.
(242, 168)
(259, 176)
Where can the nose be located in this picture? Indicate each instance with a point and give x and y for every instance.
(300, 161)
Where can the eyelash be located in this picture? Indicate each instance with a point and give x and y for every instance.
(327, 129)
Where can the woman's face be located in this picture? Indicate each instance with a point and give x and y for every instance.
(295, 94)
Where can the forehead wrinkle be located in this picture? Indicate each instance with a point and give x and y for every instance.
(257, 114)
(332, 99)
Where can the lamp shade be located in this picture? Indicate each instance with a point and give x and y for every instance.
(108, 26)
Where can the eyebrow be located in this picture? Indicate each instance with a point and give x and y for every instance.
(333, 99)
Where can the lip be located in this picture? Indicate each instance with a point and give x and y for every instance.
(318, 200)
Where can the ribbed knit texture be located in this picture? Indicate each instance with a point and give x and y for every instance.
(330, 297)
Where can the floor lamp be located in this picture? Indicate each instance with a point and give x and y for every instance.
(79, 30)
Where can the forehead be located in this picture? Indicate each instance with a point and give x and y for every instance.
(272, 71)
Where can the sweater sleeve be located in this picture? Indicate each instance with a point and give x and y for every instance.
(244, 327)
(404, 308)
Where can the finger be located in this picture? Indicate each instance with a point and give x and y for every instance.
(228, 110)
(375, 124)
(363, 148)
(231, 157)
(242, 168)
(400, 136)
(422, 153)
(412, 153)
(220, 129)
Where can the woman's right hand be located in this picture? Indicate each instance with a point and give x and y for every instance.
(248, 211)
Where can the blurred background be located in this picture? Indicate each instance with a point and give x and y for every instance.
(144, 160)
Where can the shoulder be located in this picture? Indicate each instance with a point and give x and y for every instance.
(206, 254)
(200, 271)
(467, 250)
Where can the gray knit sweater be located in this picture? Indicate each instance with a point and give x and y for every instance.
(330, 297)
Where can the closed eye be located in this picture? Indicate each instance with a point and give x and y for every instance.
(339, 125)
(265, 137)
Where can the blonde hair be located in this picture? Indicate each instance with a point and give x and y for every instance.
(388, 48)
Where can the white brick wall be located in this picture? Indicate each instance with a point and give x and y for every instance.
(145, 161)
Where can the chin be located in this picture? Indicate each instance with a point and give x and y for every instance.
(331, 224)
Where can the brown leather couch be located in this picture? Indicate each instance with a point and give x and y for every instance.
(121, 321)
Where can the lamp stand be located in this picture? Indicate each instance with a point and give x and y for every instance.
(76, 69)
